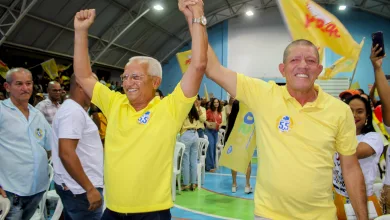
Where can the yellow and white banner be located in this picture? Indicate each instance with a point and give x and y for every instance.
(184, 59)
(305, 19)
(3, 69)
(241, 144)
(50, 67)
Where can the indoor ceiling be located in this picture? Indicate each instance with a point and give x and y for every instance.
(124, 28)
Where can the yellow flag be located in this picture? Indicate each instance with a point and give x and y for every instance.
(184, 59)
(241, 144)
(50, 67)
(355, 86)
(305, 19)
(3, 69)
(344, 64)
(61, 67)
(206, 94)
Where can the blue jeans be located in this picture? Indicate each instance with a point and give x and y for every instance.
(210, 156)
(200, 132)
(76, 206)
(190, 157)
(23, 207)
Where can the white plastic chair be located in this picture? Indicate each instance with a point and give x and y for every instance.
(350, 213)
(5, 205)
(58, 210)
(203, 144)
(40, 213)
(377, 189)
(219, 146)
(177, 160)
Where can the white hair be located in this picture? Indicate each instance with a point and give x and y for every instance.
(10, 73)
(154, 67)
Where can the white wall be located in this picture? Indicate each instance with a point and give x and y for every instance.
(256, 44)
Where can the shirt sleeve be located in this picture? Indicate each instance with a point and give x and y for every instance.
(103, 98)
(71, 124)
(250, 89)
(374, 139)
(179, 105)
(346, 141)
(41, 107)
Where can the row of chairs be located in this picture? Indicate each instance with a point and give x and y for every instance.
(203, 144)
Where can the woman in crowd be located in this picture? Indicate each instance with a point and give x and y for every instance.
(213, 122)
(369, 150)
(189, 137)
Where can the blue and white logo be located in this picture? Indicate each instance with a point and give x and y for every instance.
(144, 118)
(285, 124)
(229, 150)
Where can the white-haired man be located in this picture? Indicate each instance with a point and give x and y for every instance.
(137, 168)
(24, 136)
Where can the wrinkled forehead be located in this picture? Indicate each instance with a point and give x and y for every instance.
(136, 67)
(21, 76)
(303, 51)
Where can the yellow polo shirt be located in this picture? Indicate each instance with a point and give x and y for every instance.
(139, 149)
(295, 149)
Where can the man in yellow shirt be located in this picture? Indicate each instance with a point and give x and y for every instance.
(137, 168)
(299, 128)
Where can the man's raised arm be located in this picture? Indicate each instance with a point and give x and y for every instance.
(81, 63)
(193, 77)
(224, 77)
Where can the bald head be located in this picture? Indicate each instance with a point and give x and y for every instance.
(300, 42)
(73, 81)
(53, 84)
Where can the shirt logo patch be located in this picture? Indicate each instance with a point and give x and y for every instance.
(229, 150)
(144, 118)
(285, 123)
(39, 133)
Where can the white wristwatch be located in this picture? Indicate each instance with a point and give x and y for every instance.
(202, 20)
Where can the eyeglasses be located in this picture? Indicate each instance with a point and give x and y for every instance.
(133, 76)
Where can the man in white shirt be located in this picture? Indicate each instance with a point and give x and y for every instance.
(49, 106)
(77, 157)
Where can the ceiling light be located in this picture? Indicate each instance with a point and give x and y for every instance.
(158, 7)
(342, 7)
(249, 13)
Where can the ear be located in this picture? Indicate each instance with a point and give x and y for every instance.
(281, 69)
(319, 70)
(156, 82)
(6, 86)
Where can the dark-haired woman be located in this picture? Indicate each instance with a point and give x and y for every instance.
(213, 122)
(189, 137)
(368, 151)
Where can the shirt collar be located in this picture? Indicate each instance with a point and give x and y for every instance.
(8, 103)
(319, 102)
(156, 100)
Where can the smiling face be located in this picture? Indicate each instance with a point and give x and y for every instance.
(138, 85)
(359, 113)
(301, 67)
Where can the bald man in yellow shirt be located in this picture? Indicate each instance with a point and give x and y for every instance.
(299, 128)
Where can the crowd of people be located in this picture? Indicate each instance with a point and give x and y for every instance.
(305, 137)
